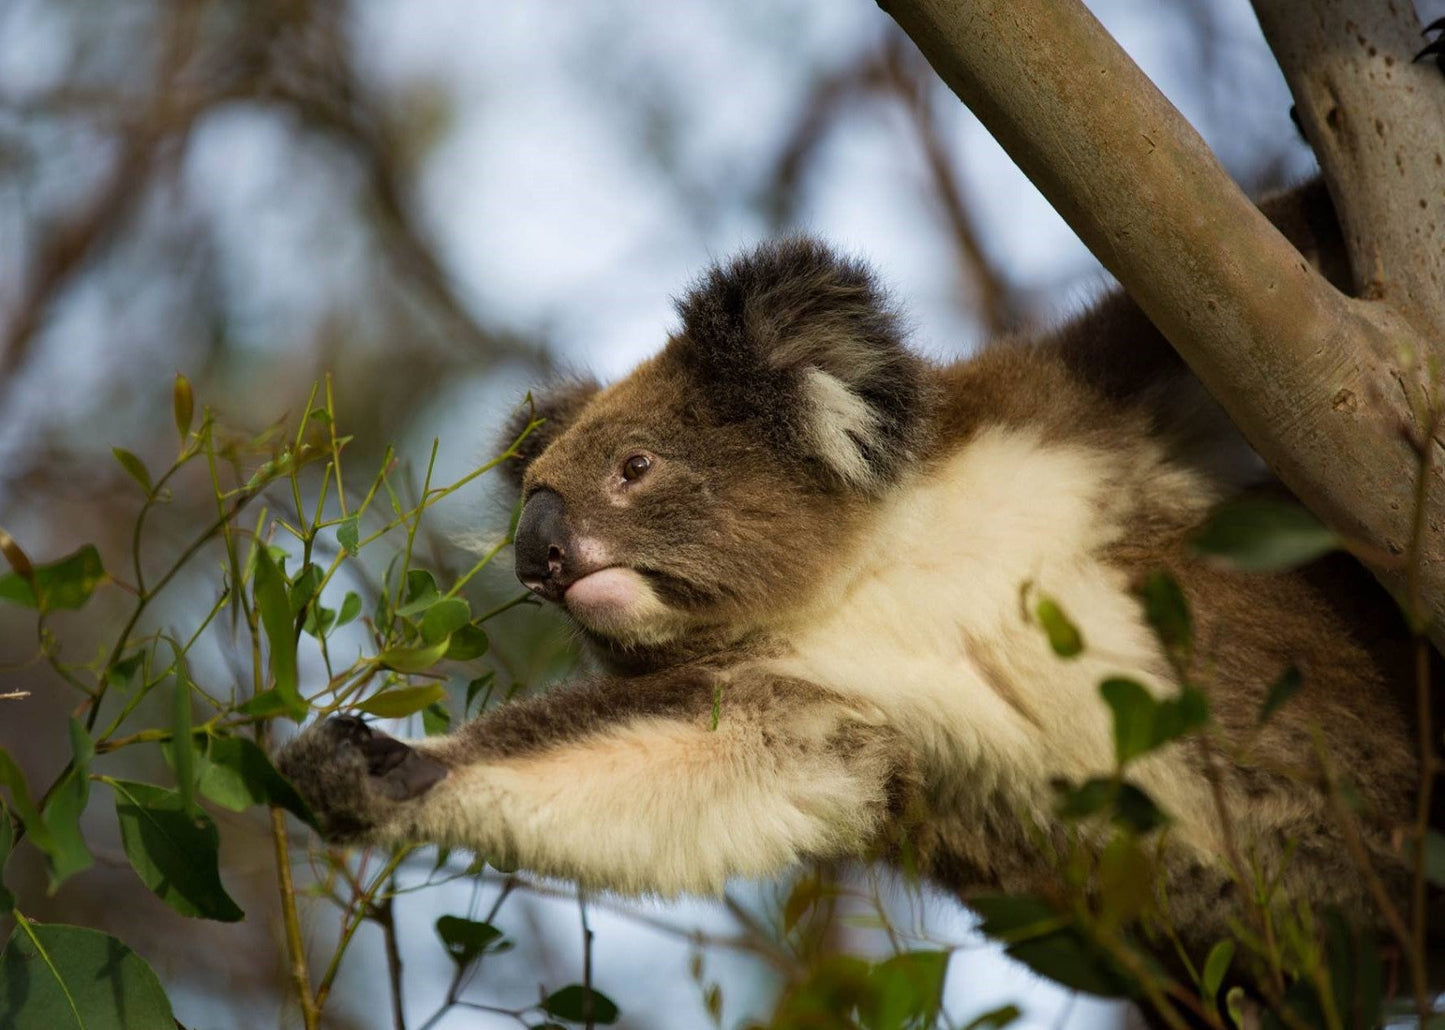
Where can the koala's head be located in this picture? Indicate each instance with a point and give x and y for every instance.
(712, 487)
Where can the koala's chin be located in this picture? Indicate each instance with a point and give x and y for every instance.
(619, 604)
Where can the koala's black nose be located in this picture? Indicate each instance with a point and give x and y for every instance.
(541, 544)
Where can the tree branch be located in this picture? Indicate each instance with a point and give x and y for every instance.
(1326, 388)
(1375, 121)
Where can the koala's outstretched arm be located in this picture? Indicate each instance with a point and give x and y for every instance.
(622, 784)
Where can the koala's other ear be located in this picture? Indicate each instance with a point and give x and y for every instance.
(559, 406)
(803, 345)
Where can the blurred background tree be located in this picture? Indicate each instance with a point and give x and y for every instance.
(441, 203)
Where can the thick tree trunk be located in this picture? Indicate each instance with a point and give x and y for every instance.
(1334, 392)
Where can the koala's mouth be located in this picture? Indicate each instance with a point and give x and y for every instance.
(614, 588)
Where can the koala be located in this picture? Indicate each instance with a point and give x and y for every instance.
(801, 555)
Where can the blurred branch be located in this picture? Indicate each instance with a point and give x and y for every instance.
(894, 73)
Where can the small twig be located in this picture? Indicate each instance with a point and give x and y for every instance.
(295, 950)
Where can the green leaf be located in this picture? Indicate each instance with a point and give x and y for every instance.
(68, 853)
(22, 804)
(907, 988)
(319, 620)
(402, 701)
(135, 468)
(1264, 536)
(435, 719)
(276, 618)
(303, 588)
(1136, 810)
(574, 1003)
(1284, 688)
(477, 686)
(421, 593)
(57, 977)
(175, 853)
(1234, 1003)
(183, 748)
(1167, 612)
(1215, 966)
(238, 775)
(7, 844)
(183, 405)
(465, 939)
(1064, 636)
(413, 659)
(1088, 799)
(996, 1019)
(267, 704)
(122, 672)
(1133, 708)
(466, 643)
(443, 618)
(1013, 917)
(1067, 959)
(1043, 940)
(348, 534)
(350, 608)
(67, 583)
(1174, 717)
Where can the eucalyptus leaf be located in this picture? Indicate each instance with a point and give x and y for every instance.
(238, 774)
(274, 604)
(465, 939)
(348, 534)
(135, 468)
(443, 618)
(174, 852)
(68, 853)
(1280, 691)
(67, 583)
(413, 659)
(577, 1004)
(468, 642)
(1167, 612)
(1264, 536)
(400, 702)
(1064, 636)
(1133, 708)
(421, 593)
(58, 977)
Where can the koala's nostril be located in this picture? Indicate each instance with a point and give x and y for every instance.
(554, 558)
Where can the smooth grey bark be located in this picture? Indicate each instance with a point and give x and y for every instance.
(1331, 390)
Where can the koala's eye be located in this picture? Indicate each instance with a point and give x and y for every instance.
(636, 467)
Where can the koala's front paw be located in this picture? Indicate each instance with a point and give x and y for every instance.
(356, 778)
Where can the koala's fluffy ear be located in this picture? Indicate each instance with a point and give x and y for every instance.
(802, 344)
(559, 405)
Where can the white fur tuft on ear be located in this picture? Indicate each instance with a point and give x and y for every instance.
(841, 424)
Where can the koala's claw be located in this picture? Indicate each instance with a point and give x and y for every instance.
(352, 775)
(1436, 48)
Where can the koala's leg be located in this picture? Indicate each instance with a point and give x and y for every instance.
(623, 784)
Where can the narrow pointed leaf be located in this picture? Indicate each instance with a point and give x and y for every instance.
(276, 618)
(183, 406)
(402, 701)
(69, 854)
